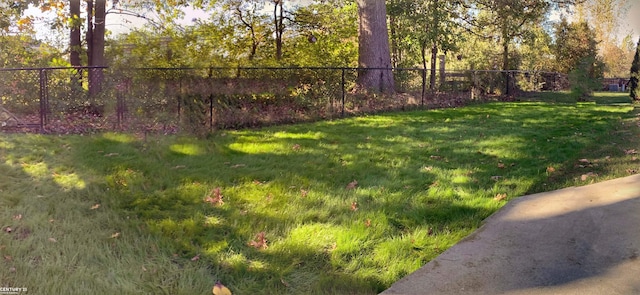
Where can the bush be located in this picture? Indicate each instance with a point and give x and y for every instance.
(584, 79)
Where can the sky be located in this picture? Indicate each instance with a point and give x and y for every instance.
(632, 20)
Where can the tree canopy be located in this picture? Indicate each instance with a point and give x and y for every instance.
(470, 34)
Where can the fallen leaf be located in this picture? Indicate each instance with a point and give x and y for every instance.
(304, 193)
(501, 165)
(195, 258)
(144, 268)
(12, 269)
(586, 176)
(220, 289)
(238, 165)
(53, 240)
(257, 182)
(634, 158)
(295, 147)
(8, 230)
(215, 197)
(115, 235)
(428, 168)
(630, 152)
(551, 169)
(352, 185)
(435, 157)
(8, 258)
(632, 171)
(96, 206)
(260, 242)
(284, 282)
(584, 161)
(354, 206)
(500, 197)
(367, 223)
(111, 154)
(496, 177)
(269, 197)
(17, 217)
(179, 167)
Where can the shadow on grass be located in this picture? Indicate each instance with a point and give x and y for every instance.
(262, 193)
(424, 181)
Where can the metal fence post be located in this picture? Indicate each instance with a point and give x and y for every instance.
(44, 103)
(344, 91)
(424, 86)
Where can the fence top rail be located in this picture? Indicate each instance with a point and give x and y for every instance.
(50, 68)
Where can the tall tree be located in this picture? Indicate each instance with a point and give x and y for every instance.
(635, 74)
(74, 39)
(373, 48)
(574, 42)
(510, 19)
(424, 28)
(606, 16)
(278, 21)
(576, 54)
(96, 17)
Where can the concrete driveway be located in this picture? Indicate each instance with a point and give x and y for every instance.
(579, 240)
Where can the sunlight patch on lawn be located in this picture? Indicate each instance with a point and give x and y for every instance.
(38, 170)
(69, 181)
(259, 147)
(119, 137)
(186, 149)
(290, 135)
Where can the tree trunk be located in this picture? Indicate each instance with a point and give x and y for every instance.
(434, 57)
(96, 75)
(505, 65)
(89, 36)
(278, 18)
(74, 37)
(373, 48)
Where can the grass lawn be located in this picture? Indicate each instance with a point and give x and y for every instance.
(339, 207)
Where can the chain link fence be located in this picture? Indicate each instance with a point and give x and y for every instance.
(201, 100)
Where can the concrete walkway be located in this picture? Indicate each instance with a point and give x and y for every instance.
(579, 240)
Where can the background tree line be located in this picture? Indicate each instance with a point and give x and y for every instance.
(534, 35)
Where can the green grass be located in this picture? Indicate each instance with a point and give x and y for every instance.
(425, 180)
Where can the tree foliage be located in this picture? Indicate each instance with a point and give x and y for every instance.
(577, 54)
(471, 34)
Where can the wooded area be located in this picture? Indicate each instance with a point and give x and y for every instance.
(371, 42)
(532, 35)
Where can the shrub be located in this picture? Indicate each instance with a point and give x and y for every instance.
(634, 92)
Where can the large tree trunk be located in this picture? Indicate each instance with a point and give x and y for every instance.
(278, 18)
(74, 37)
(89, 36)
(373, 48)
(96, 76)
